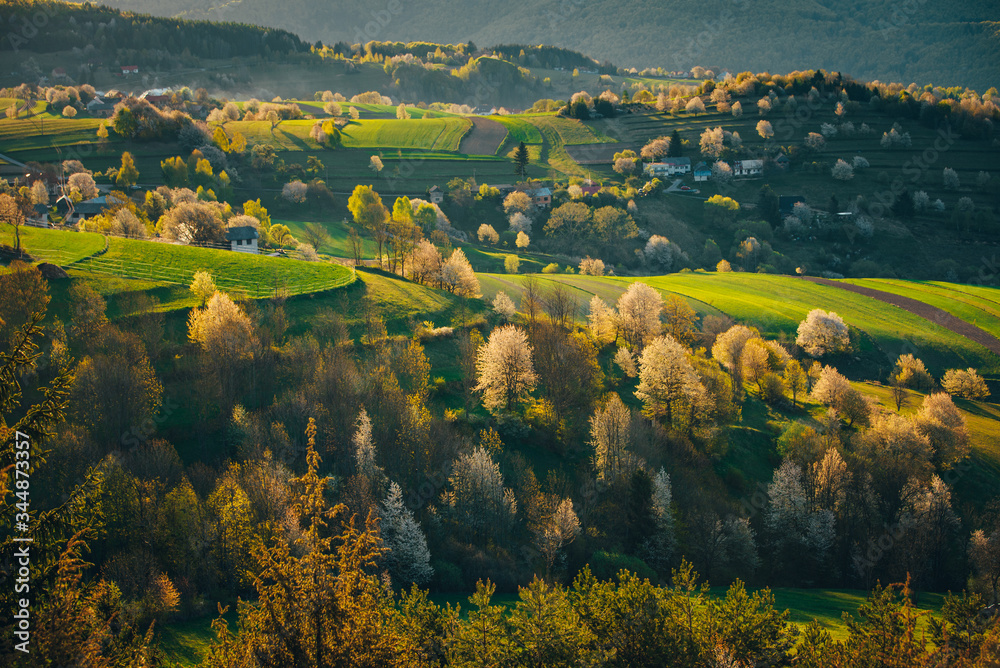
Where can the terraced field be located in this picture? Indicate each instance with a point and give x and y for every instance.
(432, 134)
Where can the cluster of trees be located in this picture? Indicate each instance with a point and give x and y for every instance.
(313, 419)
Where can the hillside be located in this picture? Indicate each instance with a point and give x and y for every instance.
(878, 39)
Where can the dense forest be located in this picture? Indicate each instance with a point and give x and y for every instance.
(954, 44)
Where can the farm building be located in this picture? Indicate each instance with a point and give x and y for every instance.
(129, 70)
(748, 168)
(243, 239)
(668, 167)
(702, 172)
(542, 197)
(436, 195)
(85, 209)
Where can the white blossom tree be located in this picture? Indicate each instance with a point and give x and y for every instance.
(408, 559)
(765, 129)
(561, 530)
(601, 319)
(477, 496)
(966, 383)
(611, 438)
(458, 277)
(842, 171)
(487, 234)
(639, 314)
(728, 351)
(505, 372)
(823, 333)
(659, 547)
(950, 179)
(504, 307)
(666, 378)
(712, 142)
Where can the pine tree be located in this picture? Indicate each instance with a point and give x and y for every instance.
(521, 160)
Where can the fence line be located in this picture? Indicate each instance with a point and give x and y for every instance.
(134, 269)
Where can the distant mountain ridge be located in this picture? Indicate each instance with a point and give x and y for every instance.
(951, 44)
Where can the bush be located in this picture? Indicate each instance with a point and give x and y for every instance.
(606, 565)
(552, 268)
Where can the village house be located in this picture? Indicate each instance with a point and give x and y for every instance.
(702, 172)
(129, 70)
(436, 195)
(81, 210)
(668, 167)
(541, 197)
(243, 239)
(782, 162)
(748, 168)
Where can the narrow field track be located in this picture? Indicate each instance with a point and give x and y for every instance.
(484, 137)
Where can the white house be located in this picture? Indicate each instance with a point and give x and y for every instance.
(668, 167)
(243, 238)
(748, 167)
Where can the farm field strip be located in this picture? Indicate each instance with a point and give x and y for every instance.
(972, 308)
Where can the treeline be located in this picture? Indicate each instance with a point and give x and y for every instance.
(111, 31)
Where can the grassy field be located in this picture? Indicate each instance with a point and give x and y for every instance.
(776, 304)
(71, 246)
(431, 134)
(338, 244)
(367, 111)
(979, 306)
(162, 263)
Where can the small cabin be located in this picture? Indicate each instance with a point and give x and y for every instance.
(436, 195)
(702, 172)
(243, 239)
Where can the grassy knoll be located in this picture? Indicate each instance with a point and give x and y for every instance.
(69, 246)
(163, 263)
(441, 134)
(979, 306)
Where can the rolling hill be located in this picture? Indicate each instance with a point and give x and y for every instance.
(877, 39)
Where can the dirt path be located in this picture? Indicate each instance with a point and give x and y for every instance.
(484, 137)
(924, 310)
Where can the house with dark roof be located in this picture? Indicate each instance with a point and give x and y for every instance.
(702, 172)
(85, 209)
(436, 195)
(40, 213)
(782, 162)
(243, 239)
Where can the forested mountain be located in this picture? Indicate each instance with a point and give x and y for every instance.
(955, 43)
